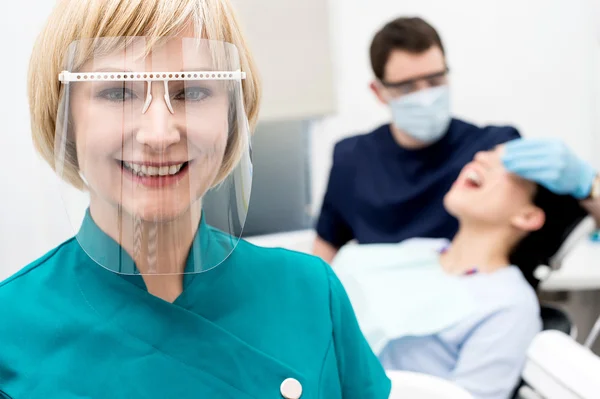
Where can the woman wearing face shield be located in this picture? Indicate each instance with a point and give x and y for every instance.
(146, 107)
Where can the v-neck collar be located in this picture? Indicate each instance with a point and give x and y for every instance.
(175, 335)
(207, 251)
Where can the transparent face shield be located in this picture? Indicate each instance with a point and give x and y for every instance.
(155, 132)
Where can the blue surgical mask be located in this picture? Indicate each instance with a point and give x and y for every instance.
(423, 115)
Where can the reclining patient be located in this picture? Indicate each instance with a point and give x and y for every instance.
(464, 310)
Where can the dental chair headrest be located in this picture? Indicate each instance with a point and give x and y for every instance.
(548, 245)
(580, 232)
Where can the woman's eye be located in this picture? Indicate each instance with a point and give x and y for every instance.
(193, 94)
(117, 94)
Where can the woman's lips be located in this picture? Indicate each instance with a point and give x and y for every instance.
(154, 174)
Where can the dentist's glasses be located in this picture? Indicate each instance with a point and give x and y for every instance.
(409, 86)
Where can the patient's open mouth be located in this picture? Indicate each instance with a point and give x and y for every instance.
(473, 179)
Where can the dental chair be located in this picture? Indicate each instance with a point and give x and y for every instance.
(554, 318)
(406, 384)
(557, 366)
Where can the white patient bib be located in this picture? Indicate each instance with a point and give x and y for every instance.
(400, 290)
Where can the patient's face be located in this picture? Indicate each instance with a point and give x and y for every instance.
(486, 193)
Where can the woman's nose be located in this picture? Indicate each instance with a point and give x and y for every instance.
(157, 128)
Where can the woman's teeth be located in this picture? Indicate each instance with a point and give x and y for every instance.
(153, 171)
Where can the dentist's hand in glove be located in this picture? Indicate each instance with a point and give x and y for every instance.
(550, 163)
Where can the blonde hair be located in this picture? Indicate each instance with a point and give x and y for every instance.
(73, 20)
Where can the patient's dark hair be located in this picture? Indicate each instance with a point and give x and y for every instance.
(563, 213)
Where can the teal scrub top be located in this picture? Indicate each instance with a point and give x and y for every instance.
(71, 329)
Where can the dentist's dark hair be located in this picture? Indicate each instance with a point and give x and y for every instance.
(411, 34)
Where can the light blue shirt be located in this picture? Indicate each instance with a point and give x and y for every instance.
(485, 352)
(471, 329)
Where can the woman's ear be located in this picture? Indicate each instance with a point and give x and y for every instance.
(530, 219)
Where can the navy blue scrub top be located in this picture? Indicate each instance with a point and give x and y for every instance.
(379, 192)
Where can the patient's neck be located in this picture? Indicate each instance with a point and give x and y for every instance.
(483, 248)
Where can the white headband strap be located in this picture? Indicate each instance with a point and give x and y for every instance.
(66, 77)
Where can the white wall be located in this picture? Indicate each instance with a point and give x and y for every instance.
(525, 63)
(302, 64)
(32, 219)
(528, 63)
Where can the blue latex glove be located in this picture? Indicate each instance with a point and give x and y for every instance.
(551, 163)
